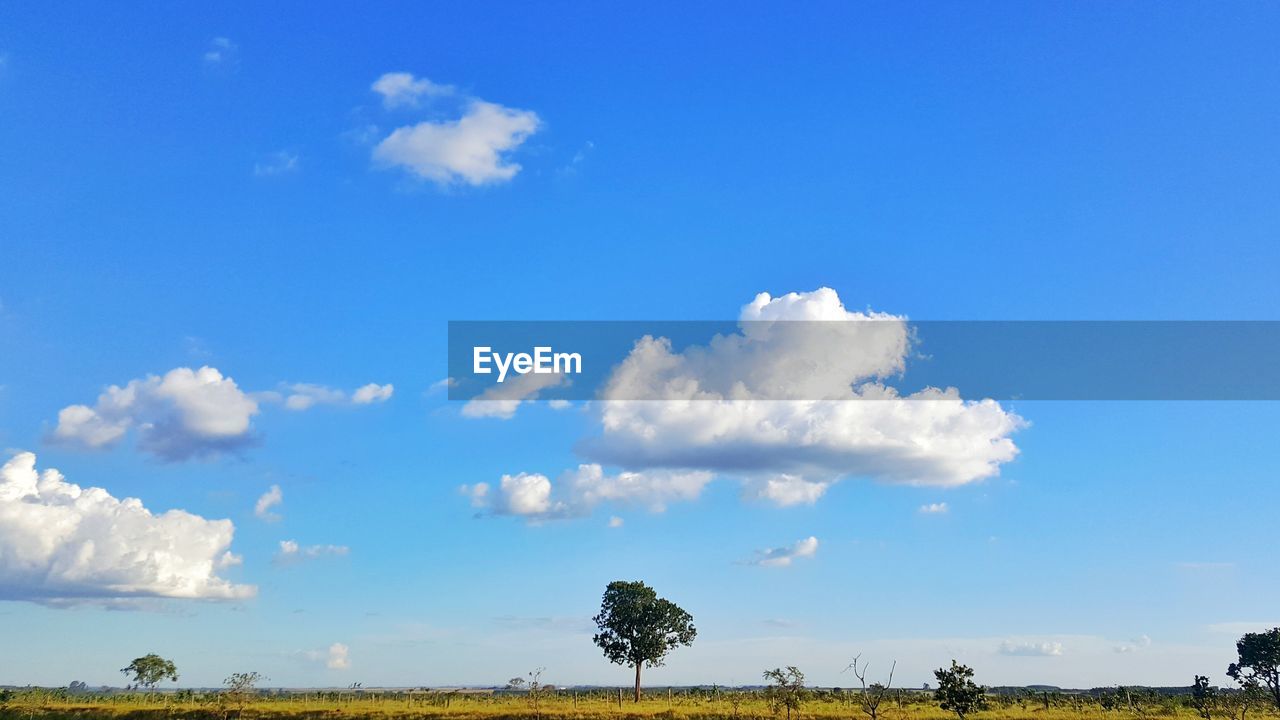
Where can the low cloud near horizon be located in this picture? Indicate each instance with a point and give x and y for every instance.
(66, 544)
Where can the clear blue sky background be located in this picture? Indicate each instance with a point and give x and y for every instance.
(985, 161)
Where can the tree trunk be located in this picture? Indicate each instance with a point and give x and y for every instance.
(638, 681)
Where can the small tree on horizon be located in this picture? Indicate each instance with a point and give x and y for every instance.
(957, 692)
(638, 628)
(241, 688)
(533, 688)
(1258, 662)
(786, 689)
(149, 670)
(873, 694)
(1204, 697)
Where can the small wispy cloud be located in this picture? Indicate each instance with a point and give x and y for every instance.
(1133, 645)
(402, 89)
(785, 555)
(502, 401)
(269, 499)
(615, 522)
(304, 396)
(1240, 627)
(442, 385)
(1031, 649)
(571, 168)
(1203, 566)
(938, 508)
(559, 623)
(221, 52)
(291, 552)
(277, 163)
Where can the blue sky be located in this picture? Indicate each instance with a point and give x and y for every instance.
(189, 187)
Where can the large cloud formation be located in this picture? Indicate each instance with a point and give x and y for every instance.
(61, 543)
(789, 408)
(189, 413)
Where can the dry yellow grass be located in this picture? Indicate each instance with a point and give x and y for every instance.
(562, 705)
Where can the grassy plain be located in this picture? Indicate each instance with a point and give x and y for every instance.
(566, 705)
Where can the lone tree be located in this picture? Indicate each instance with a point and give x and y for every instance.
(148, 670)
(786, 689)
(534, 689)
(241, 688)
(638, 628)
(1258, 662)
(873, 694)
(957, 692)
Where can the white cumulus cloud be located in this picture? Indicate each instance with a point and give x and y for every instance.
(590, 485)
(183, 414)
(743, 404)
(789, 406)
(527, 494)
(61, 543)
(335, 657)
(786, 490)
(372, 393)
(189, 413)
(785, 555)
(339, 657)
(471, 150)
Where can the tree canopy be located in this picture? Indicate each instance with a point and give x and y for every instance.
(638, 628)
(786, 689)
(148, 670)
(1258, 662)
(956, 690)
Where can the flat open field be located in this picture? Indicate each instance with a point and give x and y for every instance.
(578, 705)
